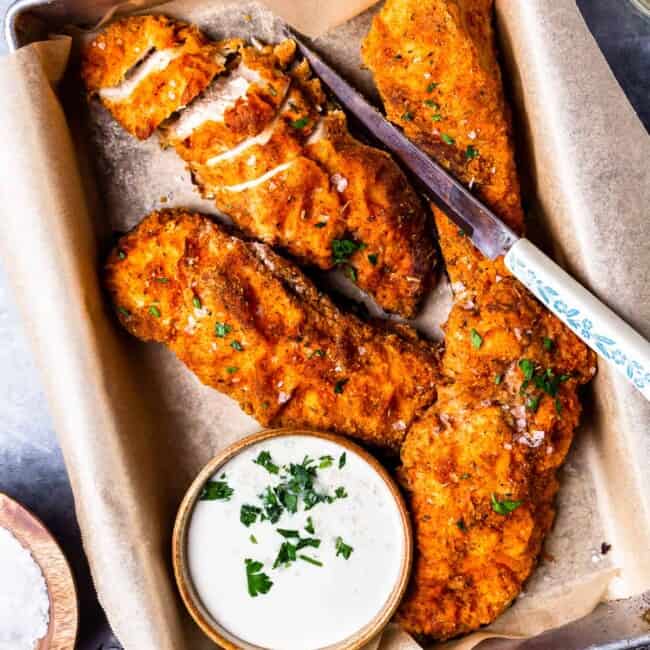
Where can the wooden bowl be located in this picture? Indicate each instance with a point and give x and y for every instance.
(32, 534)
(179, 557)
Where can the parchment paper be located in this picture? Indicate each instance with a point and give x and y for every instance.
(135, 426)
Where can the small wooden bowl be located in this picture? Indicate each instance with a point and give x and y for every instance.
(32, 534)
(179, 546)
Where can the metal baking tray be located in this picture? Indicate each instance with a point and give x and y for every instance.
(612, 626)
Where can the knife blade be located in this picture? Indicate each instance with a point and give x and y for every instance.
(488, 233)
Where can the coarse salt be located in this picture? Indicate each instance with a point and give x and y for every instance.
(24, 602)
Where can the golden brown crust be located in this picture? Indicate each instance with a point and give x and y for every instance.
(112, 55)
(505, 415)
(249, 324)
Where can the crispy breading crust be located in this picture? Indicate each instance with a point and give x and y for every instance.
(249, 324)
(495, 434)
(333, 188)
(112, 54)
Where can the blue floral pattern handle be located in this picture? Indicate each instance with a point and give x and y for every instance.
(597, 325)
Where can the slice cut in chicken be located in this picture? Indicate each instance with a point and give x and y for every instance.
(145, 68)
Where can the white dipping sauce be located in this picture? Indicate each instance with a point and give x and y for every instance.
(308, 606)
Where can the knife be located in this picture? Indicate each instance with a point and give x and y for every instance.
(591, 320)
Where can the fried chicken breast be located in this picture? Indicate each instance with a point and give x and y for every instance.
(261, 140)
(249, 324)
(480, 466)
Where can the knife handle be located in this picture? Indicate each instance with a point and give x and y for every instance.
(597, 325)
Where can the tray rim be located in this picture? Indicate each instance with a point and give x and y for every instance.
(12, 37)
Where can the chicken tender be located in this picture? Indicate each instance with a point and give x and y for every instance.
(480, 466)
(249, 324)
(260, 140)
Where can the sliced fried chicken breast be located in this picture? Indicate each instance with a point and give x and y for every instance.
(260, 140)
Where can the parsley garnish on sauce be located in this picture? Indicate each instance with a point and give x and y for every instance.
(547, 343)
(498, 379)
(196, 301)
(154, 311)
(248, 514)
(447, 139)
(504, 507)
(408, 116)
(124, 311)
(222, 329)
(216, 491)
(325, 462)
(121, 254)
(343, 549)
(341, 492)
(258, 583)
(477, 339)
(253, 539)
(342, 460)
(236, 345)
(372, 258)
(431, 87)
(471, 152)
(265, 460)
(437, 117)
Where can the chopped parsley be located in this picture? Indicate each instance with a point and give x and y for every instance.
(341, 492)
(317, 353)
(548, 344)
(272, 507)
(121, 254)
(504, 507)
(343, 249)
(162, 280)
(532, 403)
(272, 91)
(308, 541)
(258, 583)
(288, 534)
(343, 549)
(408, 116)
(340, 385)
(264, 460)
(471, 152)
(300, 123)
(431, 87)
(528, 368)
(248, 514)
(342, 460)
(477, 339)
(431, 103)
(447, 139)
(253, 539)
(231, 370)
(222, 330)
(124, 311)
(350, 273)
(196, 301)
(154, 311)
(498, 379)
(320, 224)
(216, 491)
(558, 406)
(372, 258)
(436, 117)
(325, 462)
(461, 524)
(311, 560)
(309, 526)
(236, 345)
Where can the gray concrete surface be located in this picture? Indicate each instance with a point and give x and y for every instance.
(31, 466)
